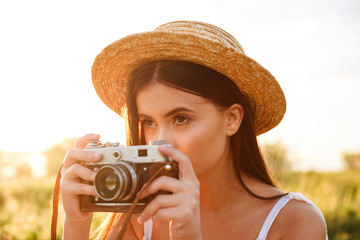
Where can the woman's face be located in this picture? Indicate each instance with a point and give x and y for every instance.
(190, 123)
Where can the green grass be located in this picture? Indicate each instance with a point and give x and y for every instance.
(26, 204)
(25, 208)
(336, 194)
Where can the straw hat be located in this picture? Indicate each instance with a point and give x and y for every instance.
(196, 42)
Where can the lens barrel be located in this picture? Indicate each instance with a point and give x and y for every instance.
(116, 182)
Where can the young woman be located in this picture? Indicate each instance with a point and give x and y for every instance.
(190, 83)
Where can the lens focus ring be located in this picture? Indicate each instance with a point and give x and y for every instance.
(116, 182)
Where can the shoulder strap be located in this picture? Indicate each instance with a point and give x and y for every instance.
(299, 196)
(148, 226)
(271, 217)
(276, 209)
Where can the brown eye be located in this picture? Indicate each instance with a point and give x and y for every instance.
(148, 123)
(181, 120)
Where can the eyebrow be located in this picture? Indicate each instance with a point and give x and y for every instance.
(172, 112)
(176, 110)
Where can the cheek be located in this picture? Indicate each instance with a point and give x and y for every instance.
(205, 145)
(149, 134)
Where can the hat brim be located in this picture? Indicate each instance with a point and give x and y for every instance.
(113, 66)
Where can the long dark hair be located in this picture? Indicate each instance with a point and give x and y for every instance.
(219, 89)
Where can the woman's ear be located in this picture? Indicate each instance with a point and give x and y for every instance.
(235, 114)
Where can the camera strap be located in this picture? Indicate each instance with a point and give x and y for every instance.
(166, 166)
(55, 204)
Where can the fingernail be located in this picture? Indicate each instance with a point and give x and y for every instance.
(140, 219)
(96, 155)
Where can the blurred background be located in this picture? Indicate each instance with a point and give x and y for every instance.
(47, 99)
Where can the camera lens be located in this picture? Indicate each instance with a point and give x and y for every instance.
(116, 182)
(110, 182)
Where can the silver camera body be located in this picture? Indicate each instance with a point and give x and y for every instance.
(121, 173)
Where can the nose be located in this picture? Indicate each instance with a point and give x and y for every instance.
(166, 134)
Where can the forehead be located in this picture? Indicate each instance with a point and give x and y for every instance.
(159, 96)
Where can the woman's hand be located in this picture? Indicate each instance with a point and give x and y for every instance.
(181, 209)
(71, 186)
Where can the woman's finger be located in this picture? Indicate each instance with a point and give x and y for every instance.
(163, 201)
(168, 184)
(81, 142)
(71, 188)
(177, 215)
(75, 155)
(186, 170)
(78, 171)
(189, 196)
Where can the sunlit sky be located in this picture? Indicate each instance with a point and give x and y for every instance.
(311, 47)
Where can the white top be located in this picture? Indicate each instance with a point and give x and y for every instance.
(276, 209)
(268, 221)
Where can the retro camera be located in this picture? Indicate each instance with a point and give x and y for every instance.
(122, 172)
